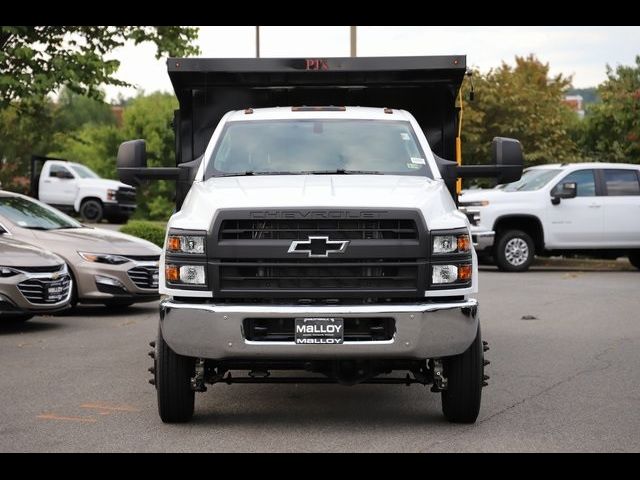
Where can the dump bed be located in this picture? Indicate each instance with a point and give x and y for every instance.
(207, 88)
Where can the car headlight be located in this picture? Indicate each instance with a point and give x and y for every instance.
(8, 272)
(451, 243)
(444, 274)
(185, 274)
(104, 258)
(182, 243)
(111, 194)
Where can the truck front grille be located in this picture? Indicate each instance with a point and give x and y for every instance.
(366, 329)
(41, 291)
(144, 277)
(341, 229)
(372, 275)
(126, 195)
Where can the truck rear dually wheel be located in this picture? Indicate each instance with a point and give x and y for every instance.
(514, 251)
(173, 374)
(465, 376)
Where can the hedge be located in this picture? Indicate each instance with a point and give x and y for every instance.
(151, 231)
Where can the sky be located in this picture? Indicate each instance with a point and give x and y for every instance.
(582, 52)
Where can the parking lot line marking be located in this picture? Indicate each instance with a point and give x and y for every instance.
(115, 408)
(53, 416)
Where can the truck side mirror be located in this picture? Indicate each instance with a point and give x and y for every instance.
(564, 190)
(506, 153)
(131, 155)
(64, 175)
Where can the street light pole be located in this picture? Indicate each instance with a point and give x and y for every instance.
(354, 41)
(257, 41)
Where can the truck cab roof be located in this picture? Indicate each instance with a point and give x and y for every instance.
(347, 112)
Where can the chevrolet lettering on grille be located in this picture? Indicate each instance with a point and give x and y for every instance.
(316, 247)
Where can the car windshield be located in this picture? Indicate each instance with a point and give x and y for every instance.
(532, 180)
(82, 171)
(29, 214)
(318, 146)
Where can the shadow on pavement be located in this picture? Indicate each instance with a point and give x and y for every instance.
(104, 311)
(30, 326)
(349, 407)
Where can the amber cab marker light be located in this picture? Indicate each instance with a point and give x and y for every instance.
(464, 273)
(464, 243)
(173, 244)
(172, 273)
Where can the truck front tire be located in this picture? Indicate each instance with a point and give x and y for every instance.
(173, 374)
(465, 375)
(91, 210)
(634, 259)
(514, 251)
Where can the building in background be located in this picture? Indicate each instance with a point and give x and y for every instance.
(575, 102)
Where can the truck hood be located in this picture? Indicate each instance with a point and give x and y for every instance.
(318, 191)
(17, 254)
(100, 183)
(482, 194)
(68, 242)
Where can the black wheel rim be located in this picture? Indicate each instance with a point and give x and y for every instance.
(91, 211)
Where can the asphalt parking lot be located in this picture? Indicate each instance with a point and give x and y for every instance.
(566, 380)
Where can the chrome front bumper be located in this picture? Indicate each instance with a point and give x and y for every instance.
(482, 240)
(428, 330)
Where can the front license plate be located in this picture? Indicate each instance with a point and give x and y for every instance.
(54, 292)
(315, 330)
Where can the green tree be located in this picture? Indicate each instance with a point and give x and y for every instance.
(37, 60)
(612, 126)
(96, 145)
(522, 102)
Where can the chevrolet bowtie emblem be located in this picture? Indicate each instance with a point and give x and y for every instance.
(318, 246)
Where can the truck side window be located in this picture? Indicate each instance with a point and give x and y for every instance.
(621, 182)
(57, 170)
(585, 181)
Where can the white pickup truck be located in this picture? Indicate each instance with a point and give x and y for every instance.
(588, 208)
(75, 188)
(322, 239)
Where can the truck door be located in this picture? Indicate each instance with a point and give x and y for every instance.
(576, 222)
(58, 185)
(621, 205)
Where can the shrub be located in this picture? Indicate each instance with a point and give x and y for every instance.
(151, 231)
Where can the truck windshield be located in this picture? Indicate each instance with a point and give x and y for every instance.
(318, 146)
(29, 214)
(532, 180)
(82, 171)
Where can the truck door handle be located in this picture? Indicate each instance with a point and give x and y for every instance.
(594, 205)
(47, 181)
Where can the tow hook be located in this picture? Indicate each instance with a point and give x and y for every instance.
(197, 382)
(439, 381)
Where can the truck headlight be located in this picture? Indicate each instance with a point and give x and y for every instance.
(191, 244)
(104, 258)
(443, 274)
(185, 274)
(451, 243)
(111, 194)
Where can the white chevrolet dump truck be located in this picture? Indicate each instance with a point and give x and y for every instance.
(316, 236)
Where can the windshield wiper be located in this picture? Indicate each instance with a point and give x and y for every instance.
(250, 173)
(35, 227)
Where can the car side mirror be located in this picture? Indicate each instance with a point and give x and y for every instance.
(506, 153)
(564, 190)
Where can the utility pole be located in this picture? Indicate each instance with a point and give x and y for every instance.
(354, 41)
(257, 41)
